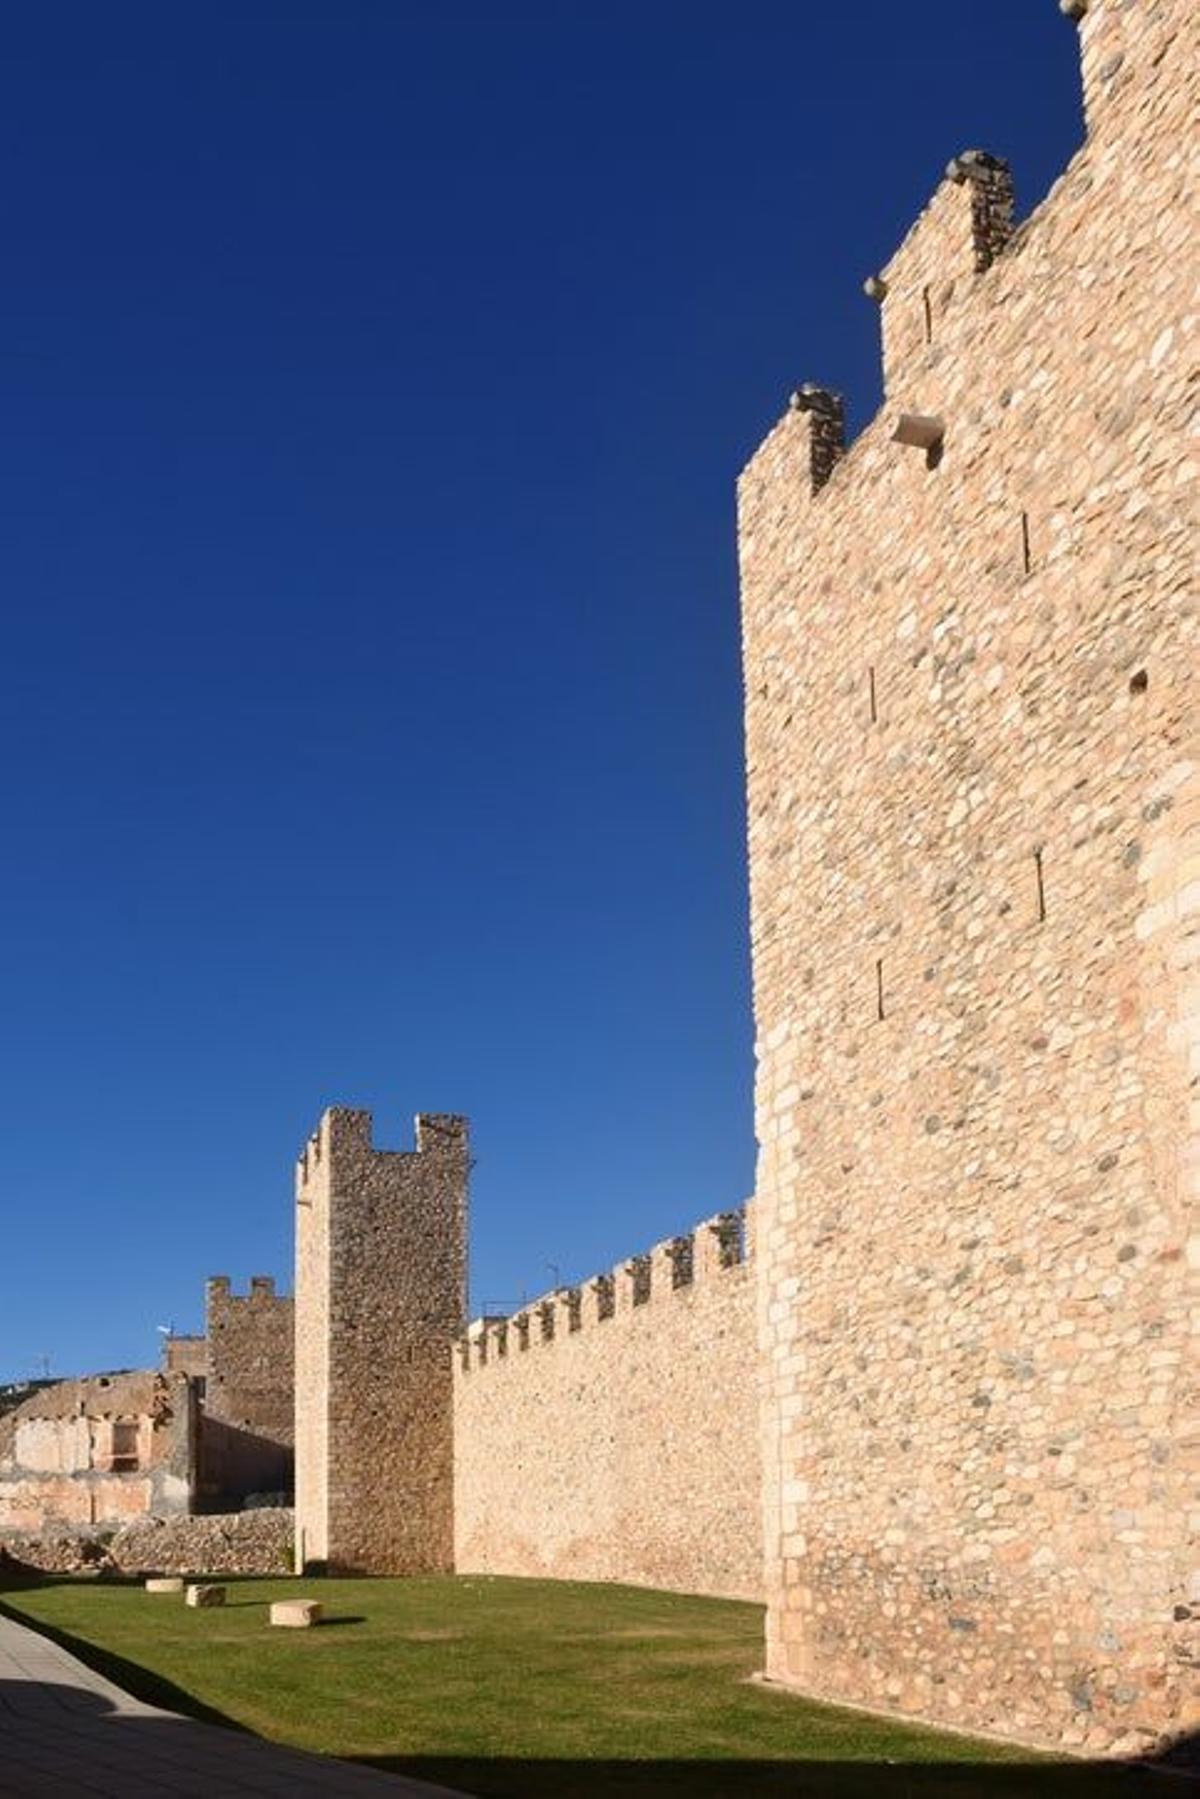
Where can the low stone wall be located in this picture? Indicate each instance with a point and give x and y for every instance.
(253, 1542)
(52, 1552)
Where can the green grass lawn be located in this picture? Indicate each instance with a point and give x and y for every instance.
(526, 1689)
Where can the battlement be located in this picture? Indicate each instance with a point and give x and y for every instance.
(957, 238)
(347, 1133)
(677, 1266)
(928, 290)
(220, 1287)
(609, 1431)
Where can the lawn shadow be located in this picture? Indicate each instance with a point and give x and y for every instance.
(131, 1677)
(499, 1778)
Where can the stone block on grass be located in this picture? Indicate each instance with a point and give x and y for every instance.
(296, 1614)
(165, 1583)
(202, 1593)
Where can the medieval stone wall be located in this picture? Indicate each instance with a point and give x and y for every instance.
(380, 1300)
(249, 1404)
(610, 1432)
(974, 825)
(186, 1355)
(259, 1541)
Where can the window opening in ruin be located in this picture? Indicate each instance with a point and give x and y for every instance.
(522, 1324)
(546, 1320)
(928, 304)
(871, 690)
(1026, 558)
(124, 1456)
(574, 1301)
(879, 1006)
(1138, 683)
(1041, 885)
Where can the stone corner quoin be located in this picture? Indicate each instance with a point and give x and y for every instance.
(974, 825)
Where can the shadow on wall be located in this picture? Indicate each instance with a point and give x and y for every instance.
(235, 1462)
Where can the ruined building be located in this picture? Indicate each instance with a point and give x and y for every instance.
(974, 819)
(208, 1431)
(99, 1451)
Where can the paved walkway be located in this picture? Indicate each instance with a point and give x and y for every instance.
(65, 1730)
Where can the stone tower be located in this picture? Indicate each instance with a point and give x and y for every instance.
(380, 1299)
(974, 827)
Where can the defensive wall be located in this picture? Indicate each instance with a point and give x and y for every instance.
(248, 1405)
(974, 831)
(610, 1431)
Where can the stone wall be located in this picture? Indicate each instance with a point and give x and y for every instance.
(610, 1432)
(104, 1448)
(249, 1404)
(251, 1542)
(380, 1300)
(186, 1355)
(974, 822)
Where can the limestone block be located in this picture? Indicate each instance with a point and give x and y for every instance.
(201, 1594)
(170, 1583)
(296, 1614)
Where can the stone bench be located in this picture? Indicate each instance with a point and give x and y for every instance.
(296, 1614)
(165, 1583)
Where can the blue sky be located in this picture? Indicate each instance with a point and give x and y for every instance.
(373, 382)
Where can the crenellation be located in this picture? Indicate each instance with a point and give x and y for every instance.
(622, 1445)
(602, 1292)
(638, 1273)
(669, 1271)
(822, 416)
(246, 1445)
(925, 286)
(681, 1255)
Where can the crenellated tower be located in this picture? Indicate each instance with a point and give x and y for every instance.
(380, 1300)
